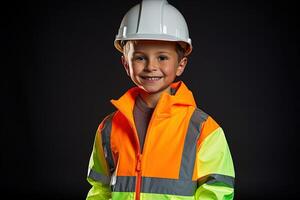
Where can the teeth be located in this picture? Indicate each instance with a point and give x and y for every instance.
(152, 78)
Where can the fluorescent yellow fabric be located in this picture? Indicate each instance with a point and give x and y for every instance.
(97, 159)
(99, 191)
(123, 195)
(148, 196)
(214, 192)
(214, 158)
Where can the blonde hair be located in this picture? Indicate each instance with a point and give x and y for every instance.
(180, 50)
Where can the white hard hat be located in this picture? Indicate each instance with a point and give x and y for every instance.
(154, 20)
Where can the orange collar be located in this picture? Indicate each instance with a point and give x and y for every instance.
(182, 97)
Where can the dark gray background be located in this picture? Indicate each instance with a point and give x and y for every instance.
(60, 70)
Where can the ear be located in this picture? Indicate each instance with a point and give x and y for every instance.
(181, 66)
(125, 64)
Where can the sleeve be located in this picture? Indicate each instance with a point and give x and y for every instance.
(99, 170)
(214, 165)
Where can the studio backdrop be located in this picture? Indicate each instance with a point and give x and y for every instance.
(62, 70)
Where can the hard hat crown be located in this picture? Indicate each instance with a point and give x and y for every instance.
(154, 20)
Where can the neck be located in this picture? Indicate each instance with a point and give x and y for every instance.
(151, 99)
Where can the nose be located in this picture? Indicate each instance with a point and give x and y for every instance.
(151, 65)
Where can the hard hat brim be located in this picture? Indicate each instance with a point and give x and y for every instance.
(158, 37)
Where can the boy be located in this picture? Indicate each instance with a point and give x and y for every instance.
(158, 145)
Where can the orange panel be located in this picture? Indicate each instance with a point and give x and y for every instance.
(164, 145)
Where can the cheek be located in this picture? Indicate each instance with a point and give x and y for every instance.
(170, 69)
(135, 69)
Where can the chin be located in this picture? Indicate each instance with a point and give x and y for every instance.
(153, 90)
(150, 91)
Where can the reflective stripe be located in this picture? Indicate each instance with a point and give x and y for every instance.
(106, 133)
(169, 186)
(124, 184)
(217, 178)
(190, 145)
(156, 185)
(98, 177)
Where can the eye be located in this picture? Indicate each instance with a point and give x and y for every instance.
(139, 58)
(162, 58)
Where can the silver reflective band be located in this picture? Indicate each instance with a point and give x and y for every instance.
(169, 186)
(190, 144)
(106, 133)
(156, 185)
(124, 184)
(217, 178)
(98, 177)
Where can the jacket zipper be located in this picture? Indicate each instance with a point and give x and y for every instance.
(138, 167)
(139, 162)
(139, 159)
(139, 177)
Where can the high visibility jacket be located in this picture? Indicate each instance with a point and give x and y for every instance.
(185, 154)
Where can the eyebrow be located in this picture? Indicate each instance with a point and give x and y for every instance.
(163, 52)
(141, 52)
(135, 52)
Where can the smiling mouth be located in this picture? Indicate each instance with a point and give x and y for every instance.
(151, 78)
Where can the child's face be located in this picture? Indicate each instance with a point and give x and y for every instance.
(152, 65)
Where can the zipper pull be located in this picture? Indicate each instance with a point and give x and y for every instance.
(139, 163)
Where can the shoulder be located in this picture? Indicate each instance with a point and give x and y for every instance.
(200, 114)
(208, 124)
(106, 122)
